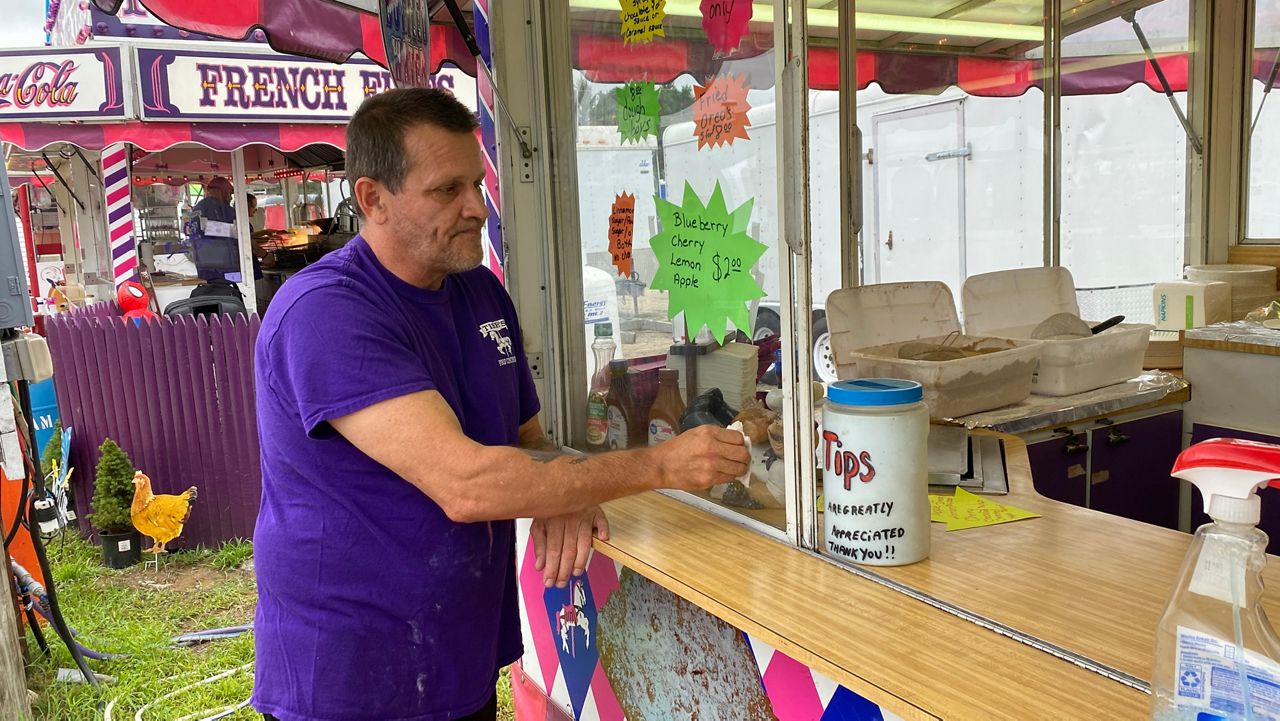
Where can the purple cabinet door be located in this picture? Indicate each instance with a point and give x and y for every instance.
(1058, 468)
(1270, 522)
(1131, 465)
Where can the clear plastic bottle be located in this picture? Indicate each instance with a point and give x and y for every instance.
(1217, 655)
(597, 398)
(1215, 647)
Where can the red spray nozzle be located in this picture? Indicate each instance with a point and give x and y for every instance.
(1230, 467)
(1231, 454)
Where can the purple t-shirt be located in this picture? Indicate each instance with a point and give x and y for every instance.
(371, 602)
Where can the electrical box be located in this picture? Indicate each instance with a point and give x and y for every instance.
(15, 296)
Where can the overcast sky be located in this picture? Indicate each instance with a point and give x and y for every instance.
(23, 23)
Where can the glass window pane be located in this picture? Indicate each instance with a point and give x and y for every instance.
(1124, 159)
(952, 113)
(1264, 133)
(951, 108)
(651, 158)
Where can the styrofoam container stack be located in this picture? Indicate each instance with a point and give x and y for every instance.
(1252, 286)
(1011, 303)
(869, 324)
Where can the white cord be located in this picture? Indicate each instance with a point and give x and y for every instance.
(211, 679)
(111, 706)
(218, 713)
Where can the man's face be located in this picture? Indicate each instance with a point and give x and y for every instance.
(439, 211)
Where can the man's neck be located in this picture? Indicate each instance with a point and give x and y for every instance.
(402, 265)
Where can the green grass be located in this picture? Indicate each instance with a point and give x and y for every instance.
(232, 554)
(136, 611)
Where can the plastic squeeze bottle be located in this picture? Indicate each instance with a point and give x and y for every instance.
(1217, 656)
(597, 398)
(627, 427)
(668, 408)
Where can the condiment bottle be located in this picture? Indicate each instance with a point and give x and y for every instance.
(597, 404)
(620, 409)
(668, 407)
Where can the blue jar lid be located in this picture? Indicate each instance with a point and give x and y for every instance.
(875, 392)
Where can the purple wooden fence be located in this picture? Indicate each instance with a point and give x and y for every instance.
(105, 309)
(177, 395)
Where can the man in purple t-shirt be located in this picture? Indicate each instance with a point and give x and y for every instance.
(399, 432)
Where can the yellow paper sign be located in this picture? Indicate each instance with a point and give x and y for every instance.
(642, 20)
(942, 508)
(966, 510)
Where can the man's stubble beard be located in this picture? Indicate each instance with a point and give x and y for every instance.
(450, 256)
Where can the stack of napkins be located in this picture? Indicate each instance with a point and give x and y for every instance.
(731, 368)
(967, 510)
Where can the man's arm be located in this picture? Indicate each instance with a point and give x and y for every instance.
(418, 437)
(561, 544)
(533, 438)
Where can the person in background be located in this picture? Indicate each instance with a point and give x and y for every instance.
(399, 433)
(259, 237)
(215, 253)
(216, 203)
(261, 256)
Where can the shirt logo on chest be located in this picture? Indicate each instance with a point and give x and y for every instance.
(496, 331)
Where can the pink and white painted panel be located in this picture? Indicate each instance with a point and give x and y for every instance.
(615, 646)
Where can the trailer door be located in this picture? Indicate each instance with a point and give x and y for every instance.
(918, 168)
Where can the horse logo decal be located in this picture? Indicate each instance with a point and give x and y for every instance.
(496, 331)
(573, 615)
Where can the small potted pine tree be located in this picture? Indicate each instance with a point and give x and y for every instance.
(112, 499)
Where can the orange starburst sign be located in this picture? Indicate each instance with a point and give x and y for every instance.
(720, 111)
(622, 227)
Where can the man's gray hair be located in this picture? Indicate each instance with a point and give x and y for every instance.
(375, 135)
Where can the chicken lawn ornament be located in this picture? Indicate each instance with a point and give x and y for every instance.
(160, 517)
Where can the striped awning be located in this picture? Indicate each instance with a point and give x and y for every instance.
(158, 136)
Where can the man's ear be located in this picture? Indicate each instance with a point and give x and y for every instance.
(371, 196)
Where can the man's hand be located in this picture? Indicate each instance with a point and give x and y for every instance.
(701, 457)
(562, 544)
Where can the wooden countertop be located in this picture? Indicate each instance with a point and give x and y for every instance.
(1088, 582)
(1233, 346)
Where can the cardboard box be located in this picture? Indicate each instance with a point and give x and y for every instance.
(1184, 304)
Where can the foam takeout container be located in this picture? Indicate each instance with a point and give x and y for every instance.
(869, 325)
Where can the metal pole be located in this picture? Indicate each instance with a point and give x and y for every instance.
(792, 72)
(850, 147)
(1132, 18)
(1052, 76)
(245, 242)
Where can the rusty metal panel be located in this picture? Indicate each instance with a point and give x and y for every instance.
(666, 658)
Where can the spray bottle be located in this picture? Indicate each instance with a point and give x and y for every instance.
(1217, 656)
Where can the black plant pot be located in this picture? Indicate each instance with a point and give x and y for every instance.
(121, 550)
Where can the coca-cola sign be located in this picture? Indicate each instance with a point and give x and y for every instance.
(62, 84)
(40, 84)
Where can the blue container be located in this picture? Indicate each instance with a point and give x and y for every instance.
(44, 411)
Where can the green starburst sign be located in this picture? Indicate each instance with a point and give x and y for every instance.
(705, 262)
(638, 111)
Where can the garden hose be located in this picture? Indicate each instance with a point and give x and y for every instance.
(88, 652)
(37, 543)
(34, 624)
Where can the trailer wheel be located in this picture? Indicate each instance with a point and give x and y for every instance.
(824, 363)
(768, 324)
